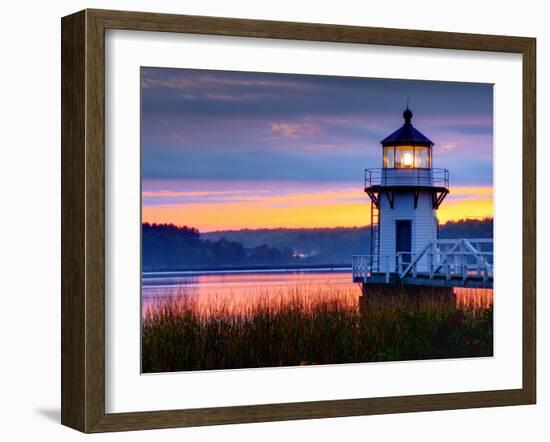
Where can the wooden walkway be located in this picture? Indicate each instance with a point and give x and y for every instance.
(442, 263)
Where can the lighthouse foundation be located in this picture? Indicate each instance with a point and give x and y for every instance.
(376, 295)
(408, 290)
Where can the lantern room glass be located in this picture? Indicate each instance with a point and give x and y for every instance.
(407, 157)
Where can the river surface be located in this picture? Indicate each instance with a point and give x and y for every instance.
(236, 291)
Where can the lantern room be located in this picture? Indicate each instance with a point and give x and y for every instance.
(407, 148)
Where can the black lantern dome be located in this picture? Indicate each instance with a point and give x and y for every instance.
(407, 134)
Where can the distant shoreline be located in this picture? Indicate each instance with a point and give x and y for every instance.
(168, 249)
(236, 270)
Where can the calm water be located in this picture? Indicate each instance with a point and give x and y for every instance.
(237, 289)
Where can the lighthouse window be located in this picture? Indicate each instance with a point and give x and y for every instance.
(389, 157)
(422, 159)
(418, 157)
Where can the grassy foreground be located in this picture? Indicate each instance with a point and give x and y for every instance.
(178, 334)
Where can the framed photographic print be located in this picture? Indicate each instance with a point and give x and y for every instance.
(267, 221)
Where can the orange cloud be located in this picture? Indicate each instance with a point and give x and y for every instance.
(172, 193)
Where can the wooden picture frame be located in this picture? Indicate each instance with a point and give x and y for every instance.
(83, 220)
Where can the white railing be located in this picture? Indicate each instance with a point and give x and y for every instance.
(391, 177)
(451, 258)
(363, 266)
(447, 258)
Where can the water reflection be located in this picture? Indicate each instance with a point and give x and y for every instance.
(236, 292)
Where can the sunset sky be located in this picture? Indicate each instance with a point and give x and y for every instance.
(231, 150)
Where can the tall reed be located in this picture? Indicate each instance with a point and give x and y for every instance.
(312, 326)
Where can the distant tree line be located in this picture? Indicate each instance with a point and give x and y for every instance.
(467, 228)
(169, 247)
(330, 245)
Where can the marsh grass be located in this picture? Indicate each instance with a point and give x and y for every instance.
(316, 325)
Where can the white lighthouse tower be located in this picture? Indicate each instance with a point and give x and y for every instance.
(405, 195)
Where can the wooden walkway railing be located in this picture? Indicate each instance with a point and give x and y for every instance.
(450, 260)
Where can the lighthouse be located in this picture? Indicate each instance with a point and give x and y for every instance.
(405, 248)
(405, 195)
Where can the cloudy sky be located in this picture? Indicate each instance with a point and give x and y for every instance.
(231, 150)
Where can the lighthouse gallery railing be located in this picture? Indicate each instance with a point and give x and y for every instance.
(406, 177)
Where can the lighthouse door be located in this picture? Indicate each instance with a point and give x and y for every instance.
(403, 239)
